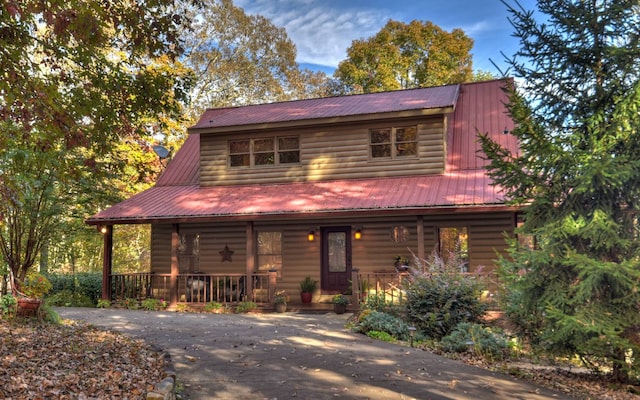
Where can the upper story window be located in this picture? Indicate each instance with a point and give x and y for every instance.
(394, 142)
(264, 151)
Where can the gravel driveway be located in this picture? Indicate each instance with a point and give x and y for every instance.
(300, 356)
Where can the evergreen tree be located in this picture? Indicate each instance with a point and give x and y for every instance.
(577, 114)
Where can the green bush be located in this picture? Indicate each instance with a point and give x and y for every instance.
(440, 296)
(68, 298)
(246, 306)
(86, 283)
(8, 304)
(383, 322)
(150, 304)
(378, 302)
(477, 338)
(213, 306)
(384, 336)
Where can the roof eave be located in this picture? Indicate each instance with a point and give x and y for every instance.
(327, 121)
(350, 213)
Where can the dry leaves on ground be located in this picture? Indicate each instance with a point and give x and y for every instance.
(73, 361)
(579, 383)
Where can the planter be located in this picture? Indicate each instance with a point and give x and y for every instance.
(28, 307)
(281, 307)
(306, 297)
(340, 308)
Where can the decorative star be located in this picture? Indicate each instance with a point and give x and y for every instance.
(226, 254)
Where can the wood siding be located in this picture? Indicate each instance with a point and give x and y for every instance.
(301, 258)
(327, 153)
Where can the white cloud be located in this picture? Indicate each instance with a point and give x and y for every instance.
(322, 33)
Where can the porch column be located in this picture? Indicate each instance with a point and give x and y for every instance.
(251, 259)
(420, 230)
(107, 260)
(175, 268)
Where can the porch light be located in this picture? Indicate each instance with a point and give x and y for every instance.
(358, 234)
(311, 235)
(103, 229)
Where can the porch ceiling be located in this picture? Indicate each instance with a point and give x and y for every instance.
(469, 189)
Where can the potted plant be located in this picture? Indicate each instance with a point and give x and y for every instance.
(307, 287)
(401, 263)
(340, 302)
(34, 287)
(280, 300)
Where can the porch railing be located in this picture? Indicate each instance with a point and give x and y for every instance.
(390, 287)
(192, 288)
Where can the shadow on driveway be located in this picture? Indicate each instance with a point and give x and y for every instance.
(300, 356)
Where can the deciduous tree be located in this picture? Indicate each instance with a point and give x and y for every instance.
(242, 59)
(577, 120)
(404, 56)
(79, 77)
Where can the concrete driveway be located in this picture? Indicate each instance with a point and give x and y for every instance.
(300, 356)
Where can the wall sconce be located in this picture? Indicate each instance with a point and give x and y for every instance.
(357, 235)
(103, 229)
(311, 236)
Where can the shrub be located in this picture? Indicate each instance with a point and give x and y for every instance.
(86, 283)
(102, 303)
(8, 304)
(213, 306)
(440, 296)
(383, 322)
(131, 304)
(246, 306)
(150, 304)
(68, 298)
(376, 302)
(484, 342)
(384, 336)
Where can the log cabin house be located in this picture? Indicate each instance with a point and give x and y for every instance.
(261, 196)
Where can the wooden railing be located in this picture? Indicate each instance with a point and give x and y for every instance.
(390, 287)
(192, 288)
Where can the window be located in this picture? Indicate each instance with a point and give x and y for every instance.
(454, 241)
(394, 142)
(189, 253)
(270, 252)
(264, 151)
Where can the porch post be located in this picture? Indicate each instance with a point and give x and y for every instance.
(251, 259)
(420, 229)
(175, 269)
(107, 260)
(355, 287)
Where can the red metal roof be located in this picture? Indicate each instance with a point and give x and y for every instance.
(453, 189)
(330, 107)
(465, 184)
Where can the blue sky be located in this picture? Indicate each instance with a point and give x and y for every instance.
(323, 29)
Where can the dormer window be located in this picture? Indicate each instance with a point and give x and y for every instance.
(264, 151)
(394, 142)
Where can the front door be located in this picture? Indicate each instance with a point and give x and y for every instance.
(336, 259)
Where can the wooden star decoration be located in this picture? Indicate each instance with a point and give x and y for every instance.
(226, 254)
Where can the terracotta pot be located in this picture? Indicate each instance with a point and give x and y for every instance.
(340, 308)
(306, 297)
(281, 307)
(28, 307)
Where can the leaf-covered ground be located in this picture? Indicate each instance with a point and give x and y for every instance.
(73, 361)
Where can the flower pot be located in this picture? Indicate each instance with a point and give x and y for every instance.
(340, 308)
(306, 297)
(28, 307)
(281, 307)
